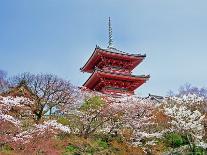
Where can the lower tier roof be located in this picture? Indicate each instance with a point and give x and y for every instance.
(100, 79)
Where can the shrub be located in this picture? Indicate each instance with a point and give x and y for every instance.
(174, 139)
(103, 144)
(63, 121)
(109, 137)
(198, 151)
(26, 124)
(5, 149)
(70, 148)
(90, 150)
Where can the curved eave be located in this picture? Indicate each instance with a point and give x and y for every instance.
(98, 52)
(97, 74)
(90, 60)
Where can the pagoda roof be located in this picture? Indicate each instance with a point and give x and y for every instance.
(96, 76)
(110, 53)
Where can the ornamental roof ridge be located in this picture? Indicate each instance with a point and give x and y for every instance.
(114, 50)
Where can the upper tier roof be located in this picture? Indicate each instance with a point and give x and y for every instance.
(111, 53)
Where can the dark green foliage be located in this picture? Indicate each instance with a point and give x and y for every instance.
(185, 139)
(71, 148)
(103, 144)
(90, 150)
(174, 140)
(198, 151)
(94, 103)
(63, 121)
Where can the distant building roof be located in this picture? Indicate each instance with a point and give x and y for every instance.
(156, 98)
(21, 90)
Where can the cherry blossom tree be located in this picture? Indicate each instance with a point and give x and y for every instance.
(92, 115)
(186, 117)
(50, 93)
(138, 115)
(110, 114)
(11, 125)
(189, 89)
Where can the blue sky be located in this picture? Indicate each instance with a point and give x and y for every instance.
(58, 36)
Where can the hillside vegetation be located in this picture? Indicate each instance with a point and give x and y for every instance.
(45, 115)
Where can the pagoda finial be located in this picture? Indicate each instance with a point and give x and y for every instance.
(110, 35)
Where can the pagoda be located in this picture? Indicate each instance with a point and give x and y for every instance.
(111, 70)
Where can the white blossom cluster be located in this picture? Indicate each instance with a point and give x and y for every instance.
(137, 114)
(185, 119)
(190, 99)
(53, 124)
(203, 145)
(15, 101)
(125, 102)
(9, 100)
(149, 135)
(7, 103)
(41, 129)
(24, 137)
(9, 118)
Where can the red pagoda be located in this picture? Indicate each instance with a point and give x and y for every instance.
(112, 70)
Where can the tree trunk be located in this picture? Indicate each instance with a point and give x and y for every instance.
(190, 144)
(50, 113)
(38, 116)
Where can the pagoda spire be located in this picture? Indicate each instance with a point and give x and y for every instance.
(110, 34)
